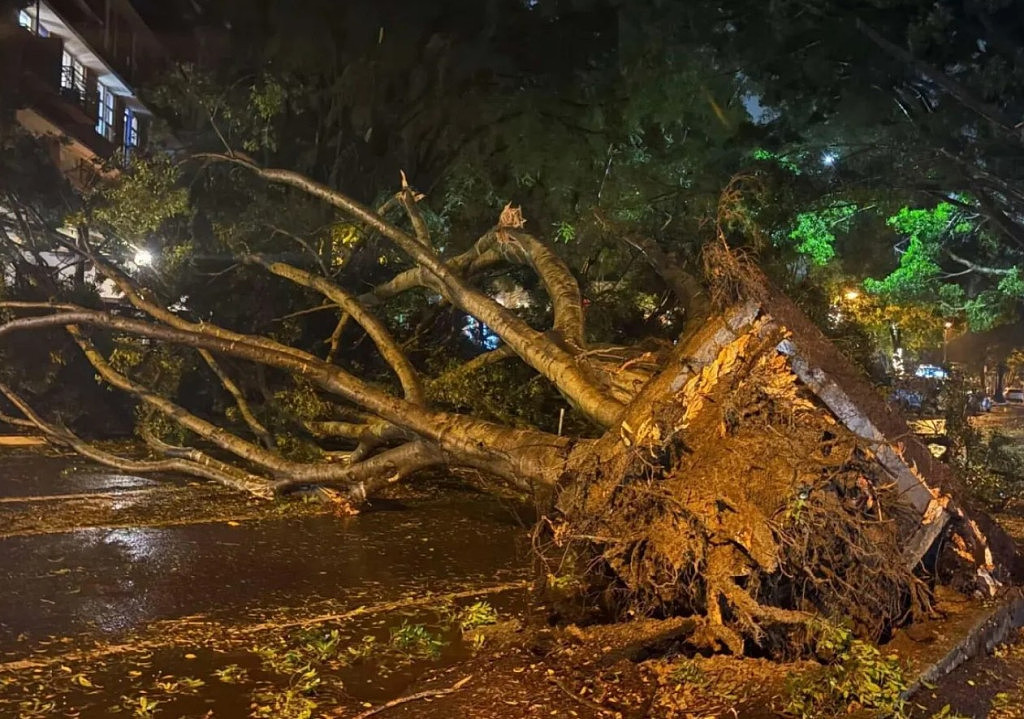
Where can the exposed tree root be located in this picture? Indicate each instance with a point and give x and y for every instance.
(744, 501)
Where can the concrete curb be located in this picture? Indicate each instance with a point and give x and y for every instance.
(989, 631)
(21, 440)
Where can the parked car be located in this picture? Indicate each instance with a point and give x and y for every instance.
(1015, 395)
(907, 399)
(930, 371)
(980, 402)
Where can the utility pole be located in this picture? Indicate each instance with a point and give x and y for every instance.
(945, 341)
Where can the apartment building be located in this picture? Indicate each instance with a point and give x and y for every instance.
(72, 67)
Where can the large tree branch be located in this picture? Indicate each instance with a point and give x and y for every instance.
(196, 464)
(217, 435)
(138, 300)
(559, 282)
(376, 431)
(380, 335)
(521, 248)
(290, 473)
(366, 477)
(980, 269)
(521, 455)
(480, 257)
(477, 363)
(553, 362)
(687, 289)
(408, 198)
(156, 311)
(334, 341)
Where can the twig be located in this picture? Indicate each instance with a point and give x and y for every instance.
(429, 694)
(582, 700)
(424, 600)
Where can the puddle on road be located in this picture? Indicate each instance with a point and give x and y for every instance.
(35, 475)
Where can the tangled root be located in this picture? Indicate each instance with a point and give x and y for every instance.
(742, 500)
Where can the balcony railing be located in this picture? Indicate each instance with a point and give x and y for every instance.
(88, 102)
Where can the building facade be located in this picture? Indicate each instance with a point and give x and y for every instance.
(72, 67)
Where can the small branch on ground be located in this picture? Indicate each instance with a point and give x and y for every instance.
(582, 700)
(429, 694)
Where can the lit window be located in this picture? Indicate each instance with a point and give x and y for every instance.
(72, 74)
(131, 132)
(67, 78)
(105, 112)
(25, 20)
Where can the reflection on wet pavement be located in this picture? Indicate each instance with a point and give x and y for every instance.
(29, 475)
(110, 581)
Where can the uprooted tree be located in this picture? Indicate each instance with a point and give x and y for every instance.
(746, 473)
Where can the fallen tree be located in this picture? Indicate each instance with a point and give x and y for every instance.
(747, 474)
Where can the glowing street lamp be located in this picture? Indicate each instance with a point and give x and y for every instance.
(828, 159)
(851, 294)
(143, 257)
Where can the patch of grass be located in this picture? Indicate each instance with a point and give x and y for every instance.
(181, 685)
(294, 702)
(366, 648)
(280, 658)
(36, 709)
(287, 704)
(415, 640)
(476, 615)
(562, 582)
(320, 646)
(232, 674)
(141, 706)
(687, 672)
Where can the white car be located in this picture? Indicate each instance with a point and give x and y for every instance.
(1015, 395)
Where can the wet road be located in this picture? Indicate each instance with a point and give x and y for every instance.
(110, 581)
(28, 475)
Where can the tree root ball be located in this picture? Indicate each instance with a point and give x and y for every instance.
(742, 500)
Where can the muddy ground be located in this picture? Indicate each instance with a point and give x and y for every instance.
(133, 597)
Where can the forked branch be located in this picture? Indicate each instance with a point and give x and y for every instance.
(386, 344)
(554, 362)
(197, 464)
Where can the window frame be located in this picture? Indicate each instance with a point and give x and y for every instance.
(130, 136)
(72, 73)
(105, 112)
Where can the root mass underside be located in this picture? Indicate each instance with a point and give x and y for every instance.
(743, 500)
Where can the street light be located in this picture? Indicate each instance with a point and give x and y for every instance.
(851, 294)
(143, 257)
